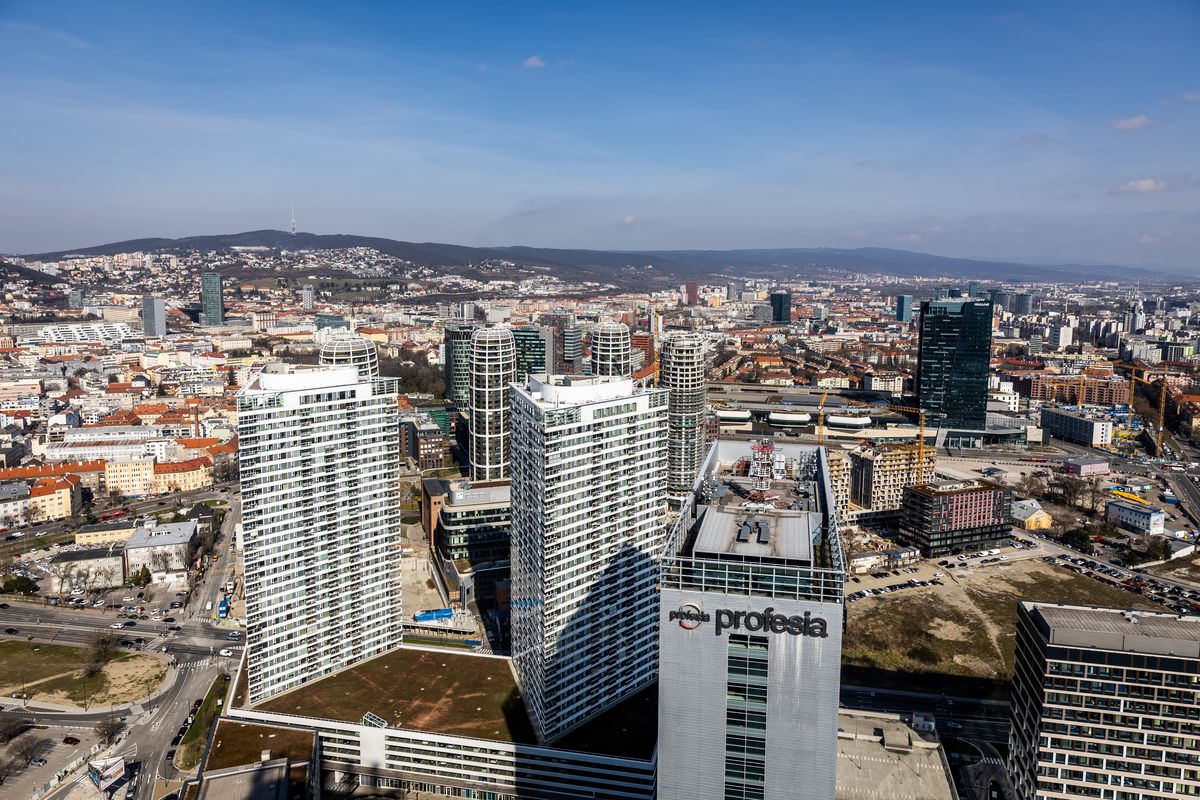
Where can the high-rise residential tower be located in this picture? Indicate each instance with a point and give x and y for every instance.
(212, 300)
(154, 316)
(493, 367)
(682, 372)
(953, 358)
(611, 350)
(1104, 704)
(456, 359)
(1022, 304)
(750, 627)
(588, 497)
(999, 299)
(319, 455)
(307, 296)
(781, 306)
(904, 308)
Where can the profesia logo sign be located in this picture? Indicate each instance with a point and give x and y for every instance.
(690, 616)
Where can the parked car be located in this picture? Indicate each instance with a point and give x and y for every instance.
(70, 740)
(226, 652)
(38, 762)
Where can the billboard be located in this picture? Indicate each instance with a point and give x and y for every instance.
(106, 772)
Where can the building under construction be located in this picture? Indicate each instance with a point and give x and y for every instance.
(868, 482)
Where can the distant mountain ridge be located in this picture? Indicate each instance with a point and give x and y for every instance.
(596, 264)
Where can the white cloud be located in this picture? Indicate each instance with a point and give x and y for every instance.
(628, 219)
(1191, 97)
(910, 237)
(534, 62)
(1131, 124)
(1140, 186)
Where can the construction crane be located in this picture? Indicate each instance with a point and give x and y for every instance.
(1134, 379)
(821, 420)
(921, 414)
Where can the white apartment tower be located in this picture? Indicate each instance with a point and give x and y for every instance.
(588, 502)
(682, 368)
(611, 350)
(493, 366)
(346, 348)
(319, 454)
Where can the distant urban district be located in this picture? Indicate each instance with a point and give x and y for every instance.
(335, 516)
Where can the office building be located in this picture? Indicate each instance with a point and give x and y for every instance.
(974, 289)
(904, 308)
(456, 358)
(682, 372)
(731, 292)
(307, 296)
(535, 349)
(350, 350)
(588, 499)
(323, 320)
(750, 625)
(611, 350)
(1104, 704)
(1077, 428)
(955, 516)
(319, 459)
(691, 293)
(422, 440)
(1022, 304)
(1126, 515)
(212, 300)
(154, 317)
(1086, 466)
(568, 342)
(953, 357)
(643, 342)
(493, 368)
(781, 307)
(1059, 337)
(999, 300)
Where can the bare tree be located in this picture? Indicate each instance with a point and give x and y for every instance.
(108, 728)
(11, 727)
(1032, 486)
(1094, 493)
(9, 768)
(29, 747)
(61, 575)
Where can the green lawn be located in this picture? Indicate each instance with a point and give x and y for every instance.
(191, 747)
(22, 661)
(446, 692)
(238, 743)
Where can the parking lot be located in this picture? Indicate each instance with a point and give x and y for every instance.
(57, 754)
(930, 572)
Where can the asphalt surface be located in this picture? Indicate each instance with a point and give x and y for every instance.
(193, 653)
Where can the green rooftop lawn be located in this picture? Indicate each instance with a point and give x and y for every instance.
(451, 693)
(239, 743)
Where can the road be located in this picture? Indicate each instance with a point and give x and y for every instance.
(194, 653)
(964, 717)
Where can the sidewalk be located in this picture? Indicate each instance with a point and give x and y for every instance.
(138, 707)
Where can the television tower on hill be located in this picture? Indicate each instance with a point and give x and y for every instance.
(293, 218)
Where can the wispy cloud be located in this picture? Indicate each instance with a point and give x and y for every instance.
(628, 219)
(534, 62)
(1131, 123)
(909, 237)
(855, 233)
(1191, 97)
(29, 29)
(1141, 186)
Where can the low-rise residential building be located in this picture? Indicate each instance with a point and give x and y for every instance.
(14, 504)
(956, 516)
(87, 570)
(1077, 428)
(1135, 517)
(54, 498)
(91, 473)
(182, 476)
(129, 477)
(163, 549)
(102, 533)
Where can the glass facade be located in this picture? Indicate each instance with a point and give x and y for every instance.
(212, 304)
(746, 718)
(953, 360)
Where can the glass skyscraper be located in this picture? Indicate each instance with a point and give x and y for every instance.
(781, 306)
(904, 307)
(953, 359)
(212, 304)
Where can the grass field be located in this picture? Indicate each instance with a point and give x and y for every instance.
(54, 673)
(966, 628)
(440, 692)
(239, 743)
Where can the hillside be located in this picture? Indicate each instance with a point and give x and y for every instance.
(606, 264)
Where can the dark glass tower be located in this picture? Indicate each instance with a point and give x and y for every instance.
(904, 307)
(953, 359)
(212, 305)
(456, 359)
(781, 307)
(535, 350)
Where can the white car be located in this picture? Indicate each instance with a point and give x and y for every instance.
(225, 652)
(117, 625)
(939, 574)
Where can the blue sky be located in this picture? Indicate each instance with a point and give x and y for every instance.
(1007, 130)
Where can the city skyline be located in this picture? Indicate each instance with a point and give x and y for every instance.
(1026, 134)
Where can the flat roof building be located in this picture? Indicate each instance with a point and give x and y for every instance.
(955, 516)
(1104, 704)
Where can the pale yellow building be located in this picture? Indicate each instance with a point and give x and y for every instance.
(103, 533)
(54, 498)
(131, 477)
(183, 476)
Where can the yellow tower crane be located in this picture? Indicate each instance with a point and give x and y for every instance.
(1134, 379)
(921, 414)
(821, 420)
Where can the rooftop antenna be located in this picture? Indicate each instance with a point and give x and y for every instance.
(293, 218)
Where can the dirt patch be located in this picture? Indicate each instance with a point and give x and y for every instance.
(967, 627)
(55, 674)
